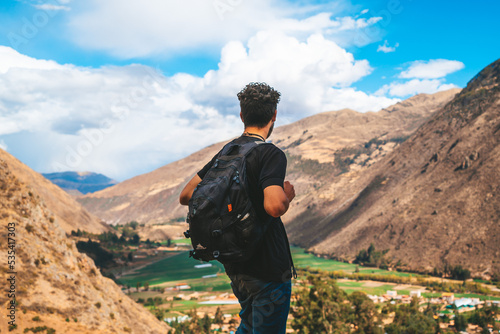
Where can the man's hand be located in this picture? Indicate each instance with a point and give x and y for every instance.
(289, 191)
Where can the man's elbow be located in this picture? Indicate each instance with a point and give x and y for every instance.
(277, 210)
(183, 200)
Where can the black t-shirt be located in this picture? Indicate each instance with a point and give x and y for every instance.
(266, 166)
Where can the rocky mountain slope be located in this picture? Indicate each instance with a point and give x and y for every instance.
(55, 285)
(70, 214)
(316, 146)
(432, 202)
(79, 183)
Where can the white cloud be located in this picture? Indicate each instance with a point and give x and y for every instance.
(128, 28)
(3, 146)
(356, 100)
(413, 87)
(432, 69)
(427, 77)
(47, 6)
(385, 48)
(11, 59)
(121, 121)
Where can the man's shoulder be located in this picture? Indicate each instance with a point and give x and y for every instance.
(267, 154)
(270, 148)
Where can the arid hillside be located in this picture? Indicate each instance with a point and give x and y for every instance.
(69, 213)
(328, 152)
(54, 285)
(434, 201)
(317, 148)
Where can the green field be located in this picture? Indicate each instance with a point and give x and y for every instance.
(181, 241)
(181, 268)
(369, 288)
(175, 268)
(304, 260)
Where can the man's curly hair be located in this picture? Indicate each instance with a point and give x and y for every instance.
(258, 101)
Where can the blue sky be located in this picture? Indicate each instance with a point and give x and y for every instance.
(123, 87)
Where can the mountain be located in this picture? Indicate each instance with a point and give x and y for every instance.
(54, 285)
(80, 182)
(432, 202)
(329, 151)
(70, 214)
(316, 146)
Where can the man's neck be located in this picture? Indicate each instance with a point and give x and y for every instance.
(256, 132)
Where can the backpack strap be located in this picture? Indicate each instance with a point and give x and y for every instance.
(294, 272)
(243, 149)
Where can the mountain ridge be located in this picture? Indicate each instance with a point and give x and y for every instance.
(80, 183)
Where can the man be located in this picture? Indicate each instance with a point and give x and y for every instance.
(262, 283)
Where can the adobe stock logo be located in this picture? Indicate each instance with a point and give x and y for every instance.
(224, 6)
(392, 9)
(31, 26)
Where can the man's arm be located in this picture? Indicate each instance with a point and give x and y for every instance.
(188, 190)
(277, 199)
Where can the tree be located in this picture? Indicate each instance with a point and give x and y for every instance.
(146, 286)
(159, 314)
(460, 322)
(206, 323)
(365, 316)
(409, 319)
(218, 318)
(320, 308)
(138, 285)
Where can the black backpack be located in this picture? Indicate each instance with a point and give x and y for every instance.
(222, 221)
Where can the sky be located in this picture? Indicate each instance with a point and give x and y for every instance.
(123, 87)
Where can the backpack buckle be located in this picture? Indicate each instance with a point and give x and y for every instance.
(192, 253)
(216, 254)
(216, 233)
(187, 235)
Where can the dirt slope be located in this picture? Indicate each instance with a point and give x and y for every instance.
(70, 214)
(54, 284)
(431, 202)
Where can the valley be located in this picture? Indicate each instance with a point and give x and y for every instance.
(396, 218)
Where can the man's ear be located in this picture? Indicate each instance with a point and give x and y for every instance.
(274, 116)
(241, 116)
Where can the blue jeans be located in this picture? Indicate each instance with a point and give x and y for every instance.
(264, 305)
